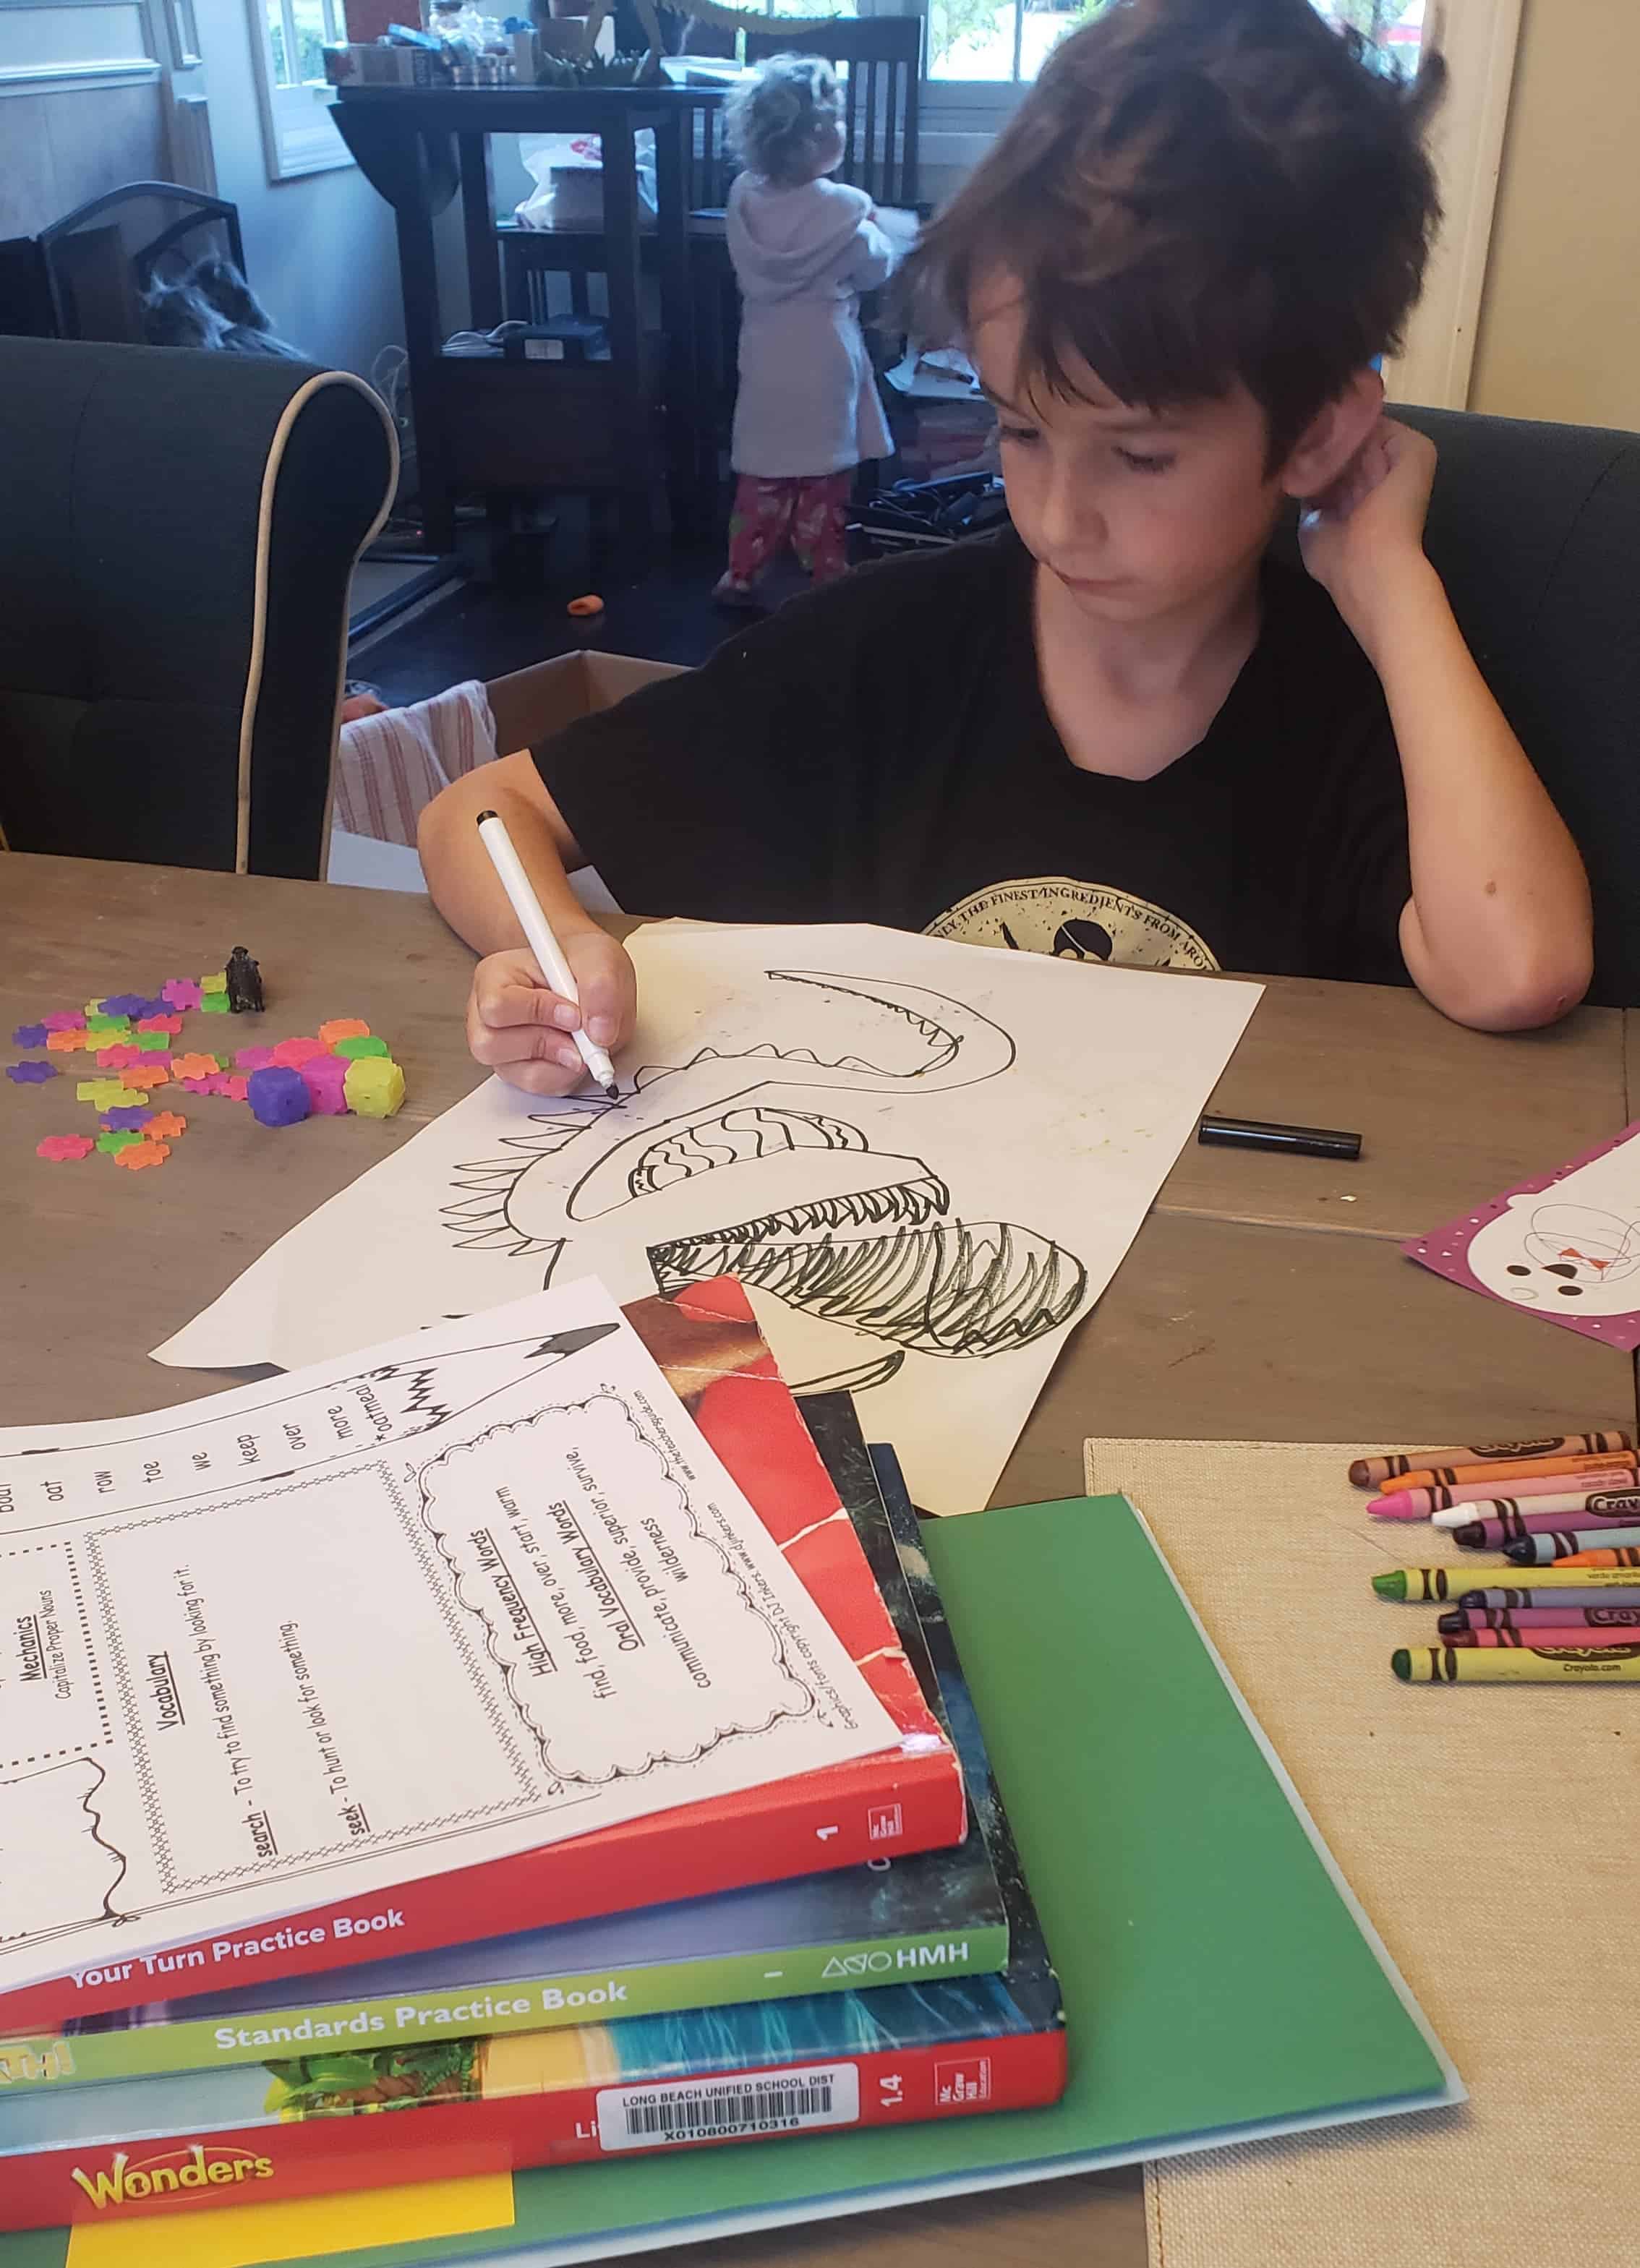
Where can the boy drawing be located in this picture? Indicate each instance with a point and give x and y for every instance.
(1117, 730)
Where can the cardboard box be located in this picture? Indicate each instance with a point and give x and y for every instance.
(386, 777)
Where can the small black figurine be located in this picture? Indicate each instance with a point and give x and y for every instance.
(244, 984)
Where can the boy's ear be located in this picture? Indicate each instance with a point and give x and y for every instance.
(1333, 437)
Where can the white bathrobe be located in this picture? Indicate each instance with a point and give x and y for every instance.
(808, 401)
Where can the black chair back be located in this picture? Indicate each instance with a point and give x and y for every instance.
(1535, 531)
(882, 55)
(100, 258)
(176, 546)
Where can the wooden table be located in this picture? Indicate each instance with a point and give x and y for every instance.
(1265, 1297)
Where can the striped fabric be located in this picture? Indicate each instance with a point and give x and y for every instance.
(390, 766)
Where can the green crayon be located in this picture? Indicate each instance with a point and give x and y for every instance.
(1446, 1665)
(1422, 1584)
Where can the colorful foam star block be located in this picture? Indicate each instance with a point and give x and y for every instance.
(29, 1035)
(374, 1087)
(249, 1059)
(151, 1042)
(143, 1153)
(325, 1078)
(343, 1028)
(213, 1003)
(117, 1027)
(30, 1074)
(358, 1045)
(127, 1120)
(293, 1054)
(118, 1056)
(144, 1076)
(277, 1096)
(126, 1003)
(63, 1020)
(159, 1022)
(111, 1143)
(216, 982)
(67, 1040)
(165, 1125)
(181, 992)
(192, 1066)
(60, 1148)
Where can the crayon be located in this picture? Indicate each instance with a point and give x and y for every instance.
(1416, 1504)
(1553, 1634)
(1568, 1543)
(1372, 1472)
(1564, 1616)
(1510, 1527)
(1607, 1555)
(1578, 1587)
(1509, 1468)
(1446, 1665)
(1419, 1585)
(1604, 1502)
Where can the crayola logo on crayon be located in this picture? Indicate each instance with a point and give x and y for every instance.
(1590, 1657)
(125, 2184)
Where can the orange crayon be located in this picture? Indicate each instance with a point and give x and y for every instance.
(1511, 1469)
(1611, 1555)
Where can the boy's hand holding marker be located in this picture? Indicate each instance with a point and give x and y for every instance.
(521, 1028)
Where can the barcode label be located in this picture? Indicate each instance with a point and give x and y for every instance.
(727, 2109)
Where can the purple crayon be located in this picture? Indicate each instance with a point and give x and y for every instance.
(1528, 1618)
(1596, 1591)
(1510, 1527)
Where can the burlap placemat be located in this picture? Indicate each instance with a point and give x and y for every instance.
(1493, 1835)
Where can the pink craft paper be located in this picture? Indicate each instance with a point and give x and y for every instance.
(1571, 1256)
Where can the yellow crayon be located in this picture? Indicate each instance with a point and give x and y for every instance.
(1561, 1665)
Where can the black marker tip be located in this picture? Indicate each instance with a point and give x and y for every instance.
(613, 1092)
(483, 815)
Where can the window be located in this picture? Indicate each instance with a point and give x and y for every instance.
(1004, 43)
(287, 41)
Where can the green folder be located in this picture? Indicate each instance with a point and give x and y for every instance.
(1220, 1982)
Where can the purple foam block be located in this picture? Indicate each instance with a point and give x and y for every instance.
(29, 1035)
(325, 1078)
(30, 1074)
(125, 1003)
(277, 1096)
(126, 1119)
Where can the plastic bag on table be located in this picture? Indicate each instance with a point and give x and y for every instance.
(568, 170)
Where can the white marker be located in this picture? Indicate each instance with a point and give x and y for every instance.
(539, 938)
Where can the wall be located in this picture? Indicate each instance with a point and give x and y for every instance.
(321, 249)
(1560, 315)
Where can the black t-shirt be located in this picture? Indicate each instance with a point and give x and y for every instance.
(879, 751)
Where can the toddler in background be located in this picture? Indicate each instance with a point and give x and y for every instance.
(804, 248)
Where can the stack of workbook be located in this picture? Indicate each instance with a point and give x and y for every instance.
(282, 1657)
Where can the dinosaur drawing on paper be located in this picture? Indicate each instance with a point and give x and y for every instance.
(750, 1171)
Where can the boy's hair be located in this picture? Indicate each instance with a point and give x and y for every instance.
(1196, 192)
(775, 120)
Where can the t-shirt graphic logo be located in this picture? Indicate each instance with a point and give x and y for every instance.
(1075, 921)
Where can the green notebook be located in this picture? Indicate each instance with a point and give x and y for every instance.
(1219, 1980)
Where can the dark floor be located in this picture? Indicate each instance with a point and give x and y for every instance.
(496, 621)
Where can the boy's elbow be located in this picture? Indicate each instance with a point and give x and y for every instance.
(1532, 990)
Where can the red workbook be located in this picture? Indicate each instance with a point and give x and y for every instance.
(910, 1799)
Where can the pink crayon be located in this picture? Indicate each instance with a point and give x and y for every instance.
(1418, 1504)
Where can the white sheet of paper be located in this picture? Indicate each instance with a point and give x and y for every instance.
(924, 1160)
(469, 1594)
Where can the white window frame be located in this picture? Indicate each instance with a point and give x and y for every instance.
(298, 136)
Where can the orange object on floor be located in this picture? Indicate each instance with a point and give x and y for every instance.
(582, 610)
